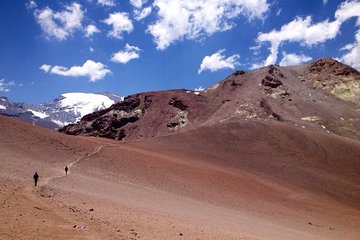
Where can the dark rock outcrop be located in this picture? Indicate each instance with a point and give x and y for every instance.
(270, 81)
(239, 72)
(178, 104)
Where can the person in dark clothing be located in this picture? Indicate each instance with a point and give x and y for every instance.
(66, 170)
(36, 178)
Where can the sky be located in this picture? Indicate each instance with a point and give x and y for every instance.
(124, 47)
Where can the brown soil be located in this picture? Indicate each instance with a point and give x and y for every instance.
(233, 180)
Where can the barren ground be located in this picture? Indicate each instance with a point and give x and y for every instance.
(230, 181)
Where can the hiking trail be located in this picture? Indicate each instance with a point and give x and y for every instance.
(69, 165)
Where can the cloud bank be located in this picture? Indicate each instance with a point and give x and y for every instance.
(188, 19)
(307, 33)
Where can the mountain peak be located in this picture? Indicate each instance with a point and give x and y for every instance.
(331, 66)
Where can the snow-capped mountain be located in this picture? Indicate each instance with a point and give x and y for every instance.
(71, 107)
(66, 109)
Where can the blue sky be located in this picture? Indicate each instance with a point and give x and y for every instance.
(51, 47)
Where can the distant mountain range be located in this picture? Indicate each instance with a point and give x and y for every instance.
(66, 109)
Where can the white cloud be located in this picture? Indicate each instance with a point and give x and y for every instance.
(299, 30)
(91, 49)
(278, 12)
(200, 89)
(45, 67)
(141, 14)
(303, 31)
(11, 83)
(325, 2)
(120, 22)
(256, 65)
(124, 56)
(93, 70)
(60, 24)
(31, 4)
(91, 30)
(348, 10)
(188, 19)
(138, 3)
(291, 59)
(217, 61)
(108, 3)
(352, 57)
(4, 86)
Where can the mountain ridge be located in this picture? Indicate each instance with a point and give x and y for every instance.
(321, 96)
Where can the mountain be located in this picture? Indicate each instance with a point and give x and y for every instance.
(266, 154)
(322, 96)
(66, 109)
(234, 179)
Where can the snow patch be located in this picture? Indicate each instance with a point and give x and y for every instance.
(121, 99)
(195, 92)
(60, 123)
(84, 103)
(41, 115)
(199, 89)
(2, 107)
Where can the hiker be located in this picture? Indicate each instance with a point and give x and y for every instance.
(36, 178)
(66, 170)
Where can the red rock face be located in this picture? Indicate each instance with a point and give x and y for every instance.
(331, 66)
(142, 115)
(272, 93)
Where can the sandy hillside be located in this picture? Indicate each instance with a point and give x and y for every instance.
(248, 180)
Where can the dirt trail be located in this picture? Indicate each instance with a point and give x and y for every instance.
(71, 164)
(98, 149)
(25, 215)
(39, 217)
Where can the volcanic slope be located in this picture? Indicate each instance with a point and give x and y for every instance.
(231, 180)
(322, 96)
